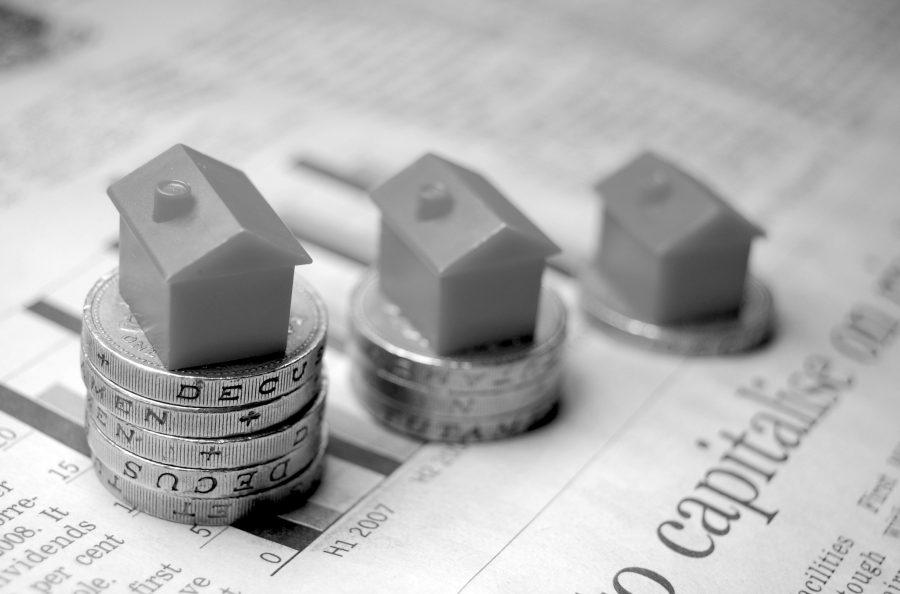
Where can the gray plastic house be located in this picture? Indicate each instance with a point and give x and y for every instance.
(205, 264)
(458, 259)
(671, 249)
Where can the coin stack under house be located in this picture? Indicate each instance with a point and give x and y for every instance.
(495, 391)
(205, 396)
(210, 444)
(454, 337)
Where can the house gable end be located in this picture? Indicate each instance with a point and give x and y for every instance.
(243, 252)
(727, 229)
(508, 247)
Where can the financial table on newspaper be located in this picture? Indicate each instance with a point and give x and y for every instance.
(771, 471)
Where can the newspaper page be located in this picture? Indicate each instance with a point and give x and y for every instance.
(770, 471)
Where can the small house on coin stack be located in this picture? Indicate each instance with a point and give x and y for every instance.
(205, 264)
(459, 260)
(671, 248)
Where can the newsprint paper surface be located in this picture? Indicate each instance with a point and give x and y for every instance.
(771, 471)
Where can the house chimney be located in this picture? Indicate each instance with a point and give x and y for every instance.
(435, 201)
(171, 200)
(657, 190)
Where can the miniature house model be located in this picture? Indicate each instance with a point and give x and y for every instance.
(458, 259)
(205, 264)
(671, 249)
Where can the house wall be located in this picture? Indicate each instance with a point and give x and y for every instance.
(704, 283)
(230, 317)
(409, 283)
(633, 272)
(144, 290)
(462, 310)
(489, 305)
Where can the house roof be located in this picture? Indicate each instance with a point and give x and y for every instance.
(455, 220)
(230, 227)
(668, 210)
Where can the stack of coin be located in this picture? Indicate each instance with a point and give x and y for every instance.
(487, 393)
(209, 444)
